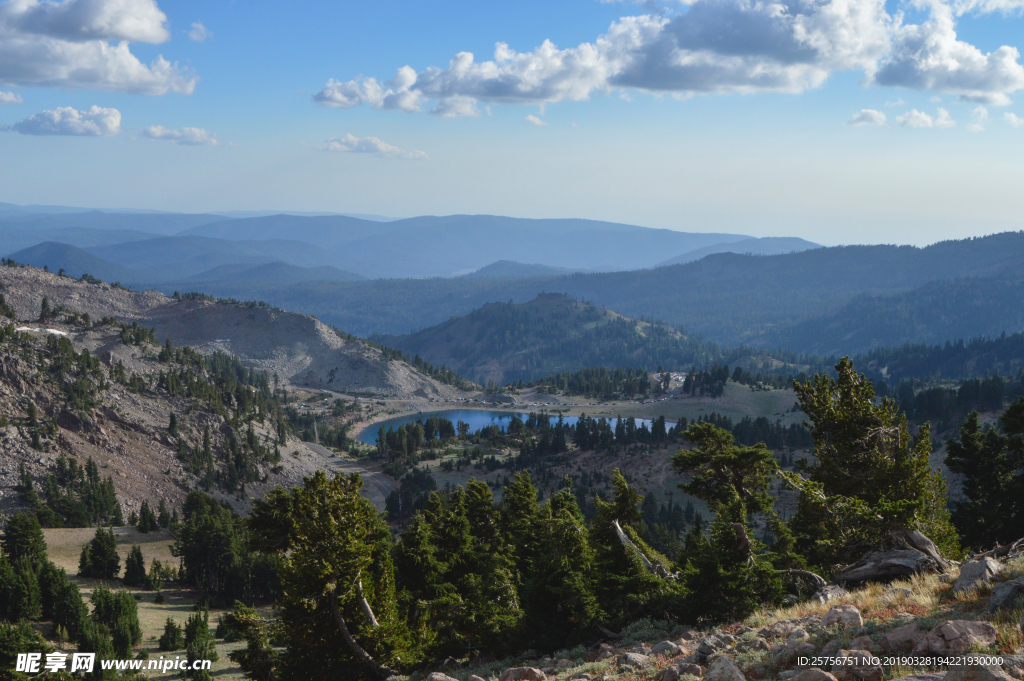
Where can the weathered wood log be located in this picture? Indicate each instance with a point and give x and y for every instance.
(1001, 550)
(884, 566)
(914, 539)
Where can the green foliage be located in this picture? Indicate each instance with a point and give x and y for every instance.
(99, 558)
(172, 638)
(118, 612)
(199, 645)
(76, 496)
(135, 568)
(871, 475)
(597, 382)
(23, 539)
(992, 466)
(147, 519)
(20, 595)
(18, 637)
(258, 659)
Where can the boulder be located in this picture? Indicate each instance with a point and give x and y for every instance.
(666, 648)
(758, 643)
(522, 674)
(945, 579)
(831, 648)
(633, 660)
(957, 636)
(1004, 596)
(641, 650)
(885, 566)
(438, 676)
(974, 573)
(907, 637)
(797, 637)
(804, 649)
(605, 651)
(857, 666)
(1014, 665)
(842, 615)
(723, 669)
(977, 672)
(563, 664)
(678, 671)
(828, 593)
(709, 645)
(814, 674)
(861, 643)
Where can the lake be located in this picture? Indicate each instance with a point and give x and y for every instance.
(476, 418)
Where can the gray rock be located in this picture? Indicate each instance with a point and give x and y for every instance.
(438, 676)
(829, 592)
(758, 643)
(583, 676)
(975, 573)
(681, 669)
(1004, 596)
(641, 650)
(666, 648)
(898, 593)
(814, 674)
(723, 669)
(861, 643)
(957, 636)
(633, 660)
(907, 637)
(842, 615)
(728, 639)
(804, 649)
(977, 672)
(945, 579)
(789, 673)
(562, 664)
(859, 669)
(797, 637)
(522, 674)
(605, 651)
(831, 648)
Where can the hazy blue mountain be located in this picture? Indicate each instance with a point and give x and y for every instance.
(430, 246)
(179, 257)
(508, 269)
(74, 261)
(233, 214)
(728, 298)
(17, 238)
(769, 245)
(152, 223)
(273, 271)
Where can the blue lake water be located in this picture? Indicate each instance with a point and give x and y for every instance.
(476, 418)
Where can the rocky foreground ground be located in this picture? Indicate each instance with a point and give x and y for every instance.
(931, 627)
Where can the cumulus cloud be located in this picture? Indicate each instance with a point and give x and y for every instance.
(715, 46)
(85, 44)
(533, 120)
(193, 137)
(897, 102)
(866, 117)
(919, 119)
(456, 106)
(369, 145)
(10, 98)
(198, 33)
(928, 56)
(64, 120)
(988, 6)
(1013, 119)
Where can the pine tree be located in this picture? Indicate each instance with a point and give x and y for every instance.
(99, 559)
(172, 638)
(135, 568)
(199, 645)
(172, 427)
(147, 519)
(163, 518)
(23, 538)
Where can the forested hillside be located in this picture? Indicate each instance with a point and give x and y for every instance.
(505, 342)
(731, 299)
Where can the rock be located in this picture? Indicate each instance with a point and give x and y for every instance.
(605, 651)
(666, 648)
(882, 566)
(1014, 665)
(633, 660)
(831, 648)
(789, 673)
(859, 669)
(975, 573)
(641, 650)
(957, 636)
(805, 649)
(907, 637)
(563, 664)
(679, 670)
(727, 639)
(861, 643)
(977, 672)
(709, 645)
(689, 636)
(829, 592)
(904, 617)
(1004, 596)
(522, 674)
(723, 669)
(581, 676)
(814, 674)
(797, 637)
(842, 615)
(757, 644)
(438, 676)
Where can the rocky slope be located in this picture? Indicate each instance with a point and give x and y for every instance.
(298, 348)
(920, 629)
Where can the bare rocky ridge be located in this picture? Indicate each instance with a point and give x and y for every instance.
(298, 348)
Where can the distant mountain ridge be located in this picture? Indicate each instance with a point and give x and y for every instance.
(769, 245)
(513, 270)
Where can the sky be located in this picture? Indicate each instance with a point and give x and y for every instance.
(839, 121)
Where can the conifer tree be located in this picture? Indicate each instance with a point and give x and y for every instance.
(199, 645)
(135, 568)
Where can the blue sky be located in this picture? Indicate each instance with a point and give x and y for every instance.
(841, 121)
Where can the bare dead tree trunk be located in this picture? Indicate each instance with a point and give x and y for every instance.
(357, 650)
(364, 605)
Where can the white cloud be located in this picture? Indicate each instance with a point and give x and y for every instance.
(898, 102)
(715, 46)
(919, 119)
(95, 122)
(533, 120)
(193, 137)
(1013, 119)
(457, 106)
(198, 33)
(369, 145)
(866, 117)
(928, 56)
(979, 116)
(85, 44)
(10, 98)
(987, 6)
